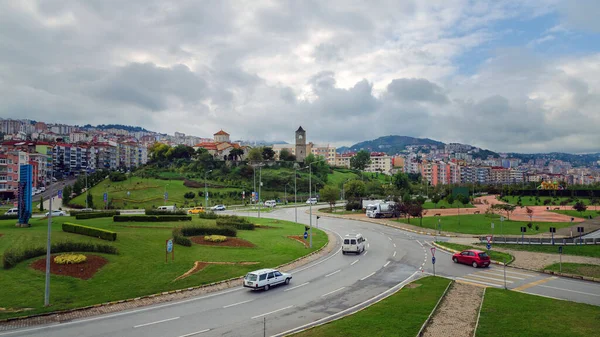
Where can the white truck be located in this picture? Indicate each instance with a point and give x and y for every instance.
(382, 210)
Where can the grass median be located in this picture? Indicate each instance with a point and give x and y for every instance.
(401, 314)
(575, 250)
(139, 269)
(582, 269)
(510, 313)
(494, 255)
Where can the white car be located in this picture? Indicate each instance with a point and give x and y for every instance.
(265, 279)
(218, 208)
(12, 211)
(57, 213)
(311, 201)
(270, 203)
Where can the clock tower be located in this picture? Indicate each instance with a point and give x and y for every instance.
(300, 144)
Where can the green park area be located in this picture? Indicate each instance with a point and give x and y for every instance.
(552, 201)
(494, 255)
(511, 313)
(445, 204)
(480, 224)
(573, 213)
(401, 314)
(583, 269)
(138, 268)
(576, 250)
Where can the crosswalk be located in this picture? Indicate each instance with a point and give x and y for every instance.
(494, 277)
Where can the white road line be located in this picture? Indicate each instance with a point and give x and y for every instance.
(298, 286)
(233, 305)
(365, 254)
(354, 262)
(366, 277)
(319, 262)
(419, 242)
(335, 272)
(498, 274)
(390, 238)
(386, 264)
(164, 320)
(368, 246)
(490, 278)
(195, 333)
(573, 291)
(272, 312)
(331, 292)
(480, 282)
(423, 264)
(394, 254)
(394, 245)
(514, 273)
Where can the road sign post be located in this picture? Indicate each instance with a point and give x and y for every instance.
(501, 227)
(560, 250)
(492, 229)
(170, 249)
(433, 259)
(305, 235)
(523, 230)
(580, 231)
(489, 242)
(552, 231)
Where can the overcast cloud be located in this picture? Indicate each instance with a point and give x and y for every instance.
(506, 75)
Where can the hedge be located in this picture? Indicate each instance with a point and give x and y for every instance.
(208, 215)
(89, 231)
(208, 230)
(9, 217)
(151, 218)
(157, 212)
(238, 223)
(92, 215)
(12, 257)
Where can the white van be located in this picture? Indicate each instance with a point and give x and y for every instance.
(353, 243)
(270, 203)
(312, 201)
(265, 279)
(12, 211)
(166, 208)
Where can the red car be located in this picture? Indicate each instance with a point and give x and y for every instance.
(474, 257)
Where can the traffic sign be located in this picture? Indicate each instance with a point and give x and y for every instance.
(105, 197)
(560, 249)
(489, 239)
(489, 246)
(305, 235)
(432, 251)
(169, 246)
(523, 229)
(59, 194)
(433, 260)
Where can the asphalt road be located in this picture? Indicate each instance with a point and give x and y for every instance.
(333, 284)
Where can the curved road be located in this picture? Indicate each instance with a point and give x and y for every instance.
(331, 285)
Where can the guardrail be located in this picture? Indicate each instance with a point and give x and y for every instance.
(542, 241)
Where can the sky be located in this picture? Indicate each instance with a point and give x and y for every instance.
(510, 76)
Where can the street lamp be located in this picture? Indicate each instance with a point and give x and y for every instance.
(295, 190)
(165, 195)
(285, 192)
(310, 195)
(254, 166)
(206, 190)
(48, 245)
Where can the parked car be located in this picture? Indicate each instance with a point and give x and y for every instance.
(57, 213)
(270, 203)
(12, 211)
(86, 210)
(43, 189)
(171, 208)
(265, 279)
(474, 257)
(218, 208)
(311, 201)
(196, 210)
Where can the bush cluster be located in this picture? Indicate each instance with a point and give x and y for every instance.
(9, 217)
(93, 215)
(157, 212)
(235, 222)
(353, 205)
(208, 215)
(89, 231)
(215, 238)
(70, 258)
(151, 218)
(12, 257)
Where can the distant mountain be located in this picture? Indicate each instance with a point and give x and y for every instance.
(117, 126)
(389, 144)
(589, 159)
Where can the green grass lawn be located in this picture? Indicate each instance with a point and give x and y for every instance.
(481, 224)
(530, 201)
(140, 267)
(576, 214)
(510, 313)
(583, 269)
(401, 314)
(445, 204)
(583, 250)
(494, 255)
(337, 178)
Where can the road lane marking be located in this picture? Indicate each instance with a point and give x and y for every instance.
(366, 277)
(298, 286)
(335, 272)
(477, 283)
(195, 333)
(161, 321)
(512, 272)
(386, 264)
(390, 238)
(272, 312)
(394, 245)
(234, 304)
(394, 254)
(368, 246)
(419, 242)
(331, 292)
(354, 262)
(490, 278)
(573, 291)
(498, 274)
(536, 283)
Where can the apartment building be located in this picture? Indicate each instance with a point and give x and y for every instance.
(380, 162)
(499, 175)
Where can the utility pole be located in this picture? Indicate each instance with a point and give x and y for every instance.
(259, 185)
(206, 191)
(48, 241)
(295, 197)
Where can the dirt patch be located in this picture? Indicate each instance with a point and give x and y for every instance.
(1, 235)
(412, 285)
(299, 239)
(83, 271)
(457, 314)
(231, 242)
(537, 261)
(199, 265)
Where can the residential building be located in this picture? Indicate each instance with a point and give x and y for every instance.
(380, 162)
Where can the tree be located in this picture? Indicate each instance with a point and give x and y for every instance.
(580, 207)
(400, 180)
(268, 153)
(236, 154)
(255, 154)
(158, 151)
(595, 202)
(66, 194)
(450, 199)
(189, 195)
(41, 203)
(286, 155)
(373, 188)
(564, 203)
(507, 208)
(180, 152)
(77, 187)
(354, 189)
(435, 199)
(329, 194)
(90, 201)
(529, 213)
(415, 210)
(360, 160)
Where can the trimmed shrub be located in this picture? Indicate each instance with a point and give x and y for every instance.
(208, 215)
(352, 205)
(9, 217)
(93, 215)
(215, 238)
(89, 231)
(208, 230)
(189, 195)
(70, 258)
(235, 222)
(157, 212)
(151, 218)
(12, 257)
(181, 240)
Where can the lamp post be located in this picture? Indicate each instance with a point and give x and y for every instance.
(165, 195)
(285, 192)
(48, 245)
(206, 190)
(254, 166)
(310, 195)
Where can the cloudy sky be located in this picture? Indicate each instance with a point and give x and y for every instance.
(519, 75)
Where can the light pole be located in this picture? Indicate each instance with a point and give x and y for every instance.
(285, 193)
(259, 165)
(48, 245)
(310, 195)
(165, 195)
(206, 190)
(87, 193)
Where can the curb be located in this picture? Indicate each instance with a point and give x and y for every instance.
(229, 283)
(573, 276)
(450, 250)
(428, 320)
(479, 312)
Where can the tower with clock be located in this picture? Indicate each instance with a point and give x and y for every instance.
(300, 144)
